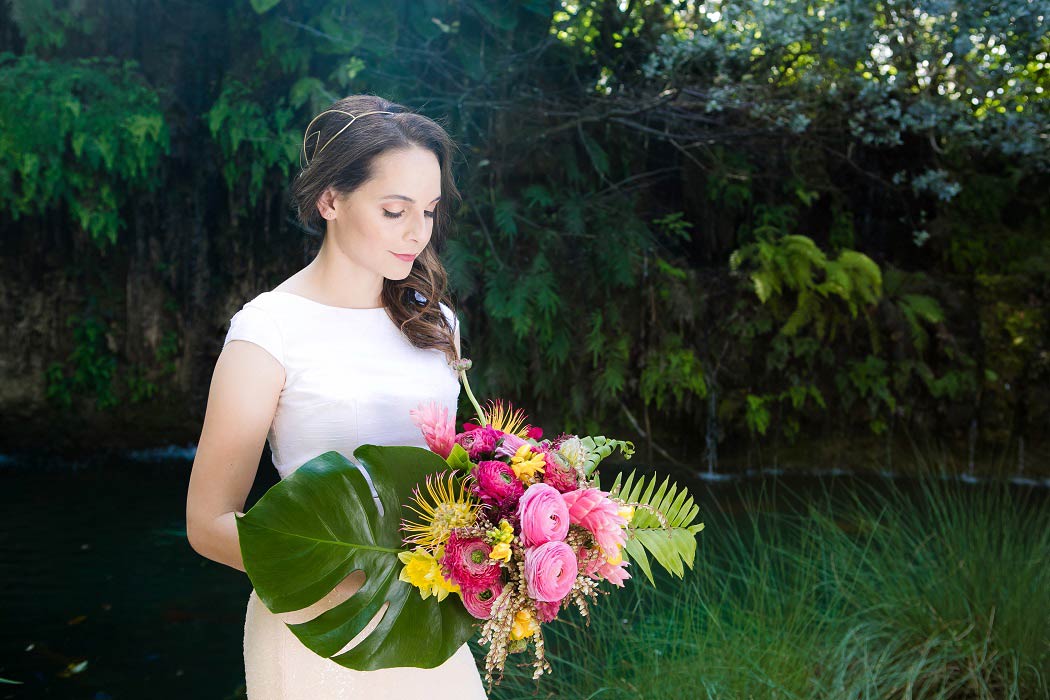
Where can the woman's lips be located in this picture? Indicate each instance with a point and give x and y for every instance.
(406, 258)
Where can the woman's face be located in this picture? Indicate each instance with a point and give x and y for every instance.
(393, 212)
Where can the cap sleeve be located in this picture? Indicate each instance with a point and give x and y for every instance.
(452, 319)
(256, 326)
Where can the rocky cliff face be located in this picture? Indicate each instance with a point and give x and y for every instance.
(114, 347)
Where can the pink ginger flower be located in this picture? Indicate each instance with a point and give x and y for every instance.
(479, 442)
(543, 514)
(467, 562)
(496, 484)
(438, 429)
(550, 571)
(479, 603)
(592, 564)
(589, 508)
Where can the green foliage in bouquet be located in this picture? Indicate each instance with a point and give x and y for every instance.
(662, 524)
(319, 524)
(599, 447)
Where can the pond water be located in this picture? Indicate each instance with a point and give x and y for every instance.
(104, 598)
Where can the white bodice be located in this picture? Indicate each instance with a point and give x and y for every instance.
(351, 376)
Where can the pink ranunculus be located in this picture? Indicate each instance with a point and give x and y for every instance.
(559, 474)
(438, 429)
(547, 611)
(543, 514)
(592, 564)
(496, 484)
(479, 603)
(479, 442)
(534, 432)
(511, 444)
(550, 570)
(599, 515)
(467, 563)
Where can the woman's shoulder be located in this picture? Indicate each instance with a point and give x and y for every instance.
(257, 321)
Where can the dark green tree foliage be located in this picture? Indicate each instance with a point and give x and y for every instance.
(713, 224)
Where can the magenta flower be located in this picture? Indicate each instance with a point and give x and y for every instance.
(511, 443)
(496, 484)
(479, 603)
(559, 474)
(479, 442)
(550, 571)
(591, 509)
(438, 429)
(467, 563)
(543, 514)
(547, 611)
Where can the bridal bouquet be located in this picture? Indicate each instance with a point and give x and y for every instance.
(518, 531)
(491, 527)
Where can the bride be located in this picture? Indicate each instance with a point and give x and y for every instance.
(332, 358)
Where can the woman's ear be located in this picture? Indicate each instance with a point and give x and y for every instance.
(326, 204)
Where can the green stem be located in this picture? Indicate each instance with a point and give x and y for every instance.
(474, 401)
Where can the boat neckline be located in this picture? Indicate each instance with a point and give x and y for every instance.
(327, 306)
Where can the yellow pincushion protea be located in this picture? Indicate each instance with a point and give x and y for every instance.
(446, 506)
(507, 420)
(423, 570)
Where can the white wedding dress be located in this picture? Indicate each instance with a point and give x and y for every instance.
(351, 378)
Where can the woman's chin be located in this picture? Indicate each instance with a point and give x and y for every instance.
(398, 275)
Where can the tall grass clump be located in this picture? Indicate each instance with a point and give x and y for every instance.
(940, 592)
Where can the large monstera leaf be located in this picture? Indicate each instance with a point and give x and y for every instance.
(319, 524)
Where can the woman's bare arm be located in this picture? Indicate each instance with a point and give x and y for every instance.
(245, 387)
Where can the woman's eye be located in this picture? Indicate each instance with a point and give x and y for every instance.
(398, 214)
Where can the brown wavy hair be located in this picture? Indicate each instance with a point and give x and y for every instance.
(345, 164)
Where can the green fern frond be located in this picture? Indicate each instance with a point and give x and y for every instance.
(504, 213)
(599, 447)
(662, 526)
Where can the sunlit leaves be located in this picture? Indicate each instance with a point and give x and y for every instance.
(82, 133)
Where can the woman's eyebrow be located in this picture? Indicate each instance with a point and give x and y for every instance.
(407, 199)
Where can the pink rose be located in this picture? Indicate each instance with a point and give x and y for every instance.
(480, 442)
(550, 570)
(479, 603)
(496, 484)
(543, 514)
(467, 563)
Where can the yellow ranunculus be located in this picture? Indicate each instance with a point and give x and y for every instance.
(626, 512)
(615, 558)
(500, 551)
(524, 625)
